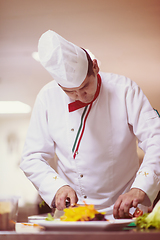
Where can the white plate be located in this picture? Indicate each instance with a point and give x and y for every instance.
(58, 225)
(28, 228)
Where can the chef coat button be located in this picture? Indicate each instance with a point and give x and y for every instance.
(77, 153)
(72, 129)
(81, 175)
(85, 196)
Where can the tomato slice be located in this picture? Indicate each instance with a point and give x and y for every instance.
(138, 212)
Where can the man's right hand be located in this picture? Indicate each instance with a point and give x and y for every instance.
(64, 193)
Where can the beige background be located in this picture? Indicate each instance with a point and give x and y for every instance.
(123, 34)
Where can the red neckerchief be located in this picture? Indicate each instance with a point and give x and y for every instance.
(78, 104)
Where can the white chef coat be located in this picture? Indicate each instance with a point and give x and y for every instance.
(106, 164)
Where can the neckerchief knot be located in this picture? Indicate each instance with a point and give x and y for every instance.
(78, 104)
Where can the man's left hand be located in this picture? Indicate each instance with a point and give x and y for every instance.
(126, 201)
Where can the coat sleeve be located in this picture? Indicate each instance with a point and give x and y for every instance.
(146, 126)
(38, 149)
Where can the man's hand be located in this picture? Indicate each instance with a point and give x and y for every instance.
(126, 201)
(65, 192)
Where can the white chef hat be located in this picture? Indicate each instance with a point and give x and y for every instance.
(66, 62)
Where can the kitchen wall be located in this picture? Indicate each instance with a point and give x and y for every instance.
(12, 179)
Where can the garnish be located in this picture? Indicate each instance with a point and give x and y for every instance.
(150, 220)
(49, 217)
(82, 213)
(42, 204)
(138, 212)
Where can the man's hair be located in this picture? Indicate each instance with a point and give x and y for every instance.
(90, 64)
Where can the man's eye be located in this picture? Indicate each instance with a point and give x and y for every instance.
(86, 86)
(69, 92)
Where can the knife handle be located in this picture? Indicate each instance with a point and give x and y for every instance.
(67, 203)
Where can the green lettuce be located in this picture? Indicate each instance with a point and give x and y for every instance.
(49, 217)
(150, 220)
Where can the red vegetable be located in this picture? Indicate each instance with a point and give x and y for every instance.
(138, 212)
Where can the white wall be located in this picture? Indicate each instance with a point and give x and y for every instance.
(12, 180)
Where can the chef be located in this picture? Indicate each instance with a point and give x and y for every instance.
(91, 121)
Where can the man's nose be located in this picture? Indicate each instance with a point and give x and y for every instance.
(80, 94)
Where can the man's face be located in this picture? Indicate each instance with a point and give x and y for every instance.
(86, 91)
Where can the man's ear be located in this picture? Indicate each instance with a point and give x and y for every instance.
(95, 66)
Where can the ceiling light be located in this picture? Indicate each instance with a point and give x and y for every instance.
(35, 56)
(9, 107)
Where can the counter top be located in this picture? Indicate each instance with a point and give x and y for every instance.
(85, 235)
(32, 231)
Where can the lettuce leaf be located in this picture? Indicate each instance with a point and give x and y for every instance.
(150, 220)
(49, 217)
